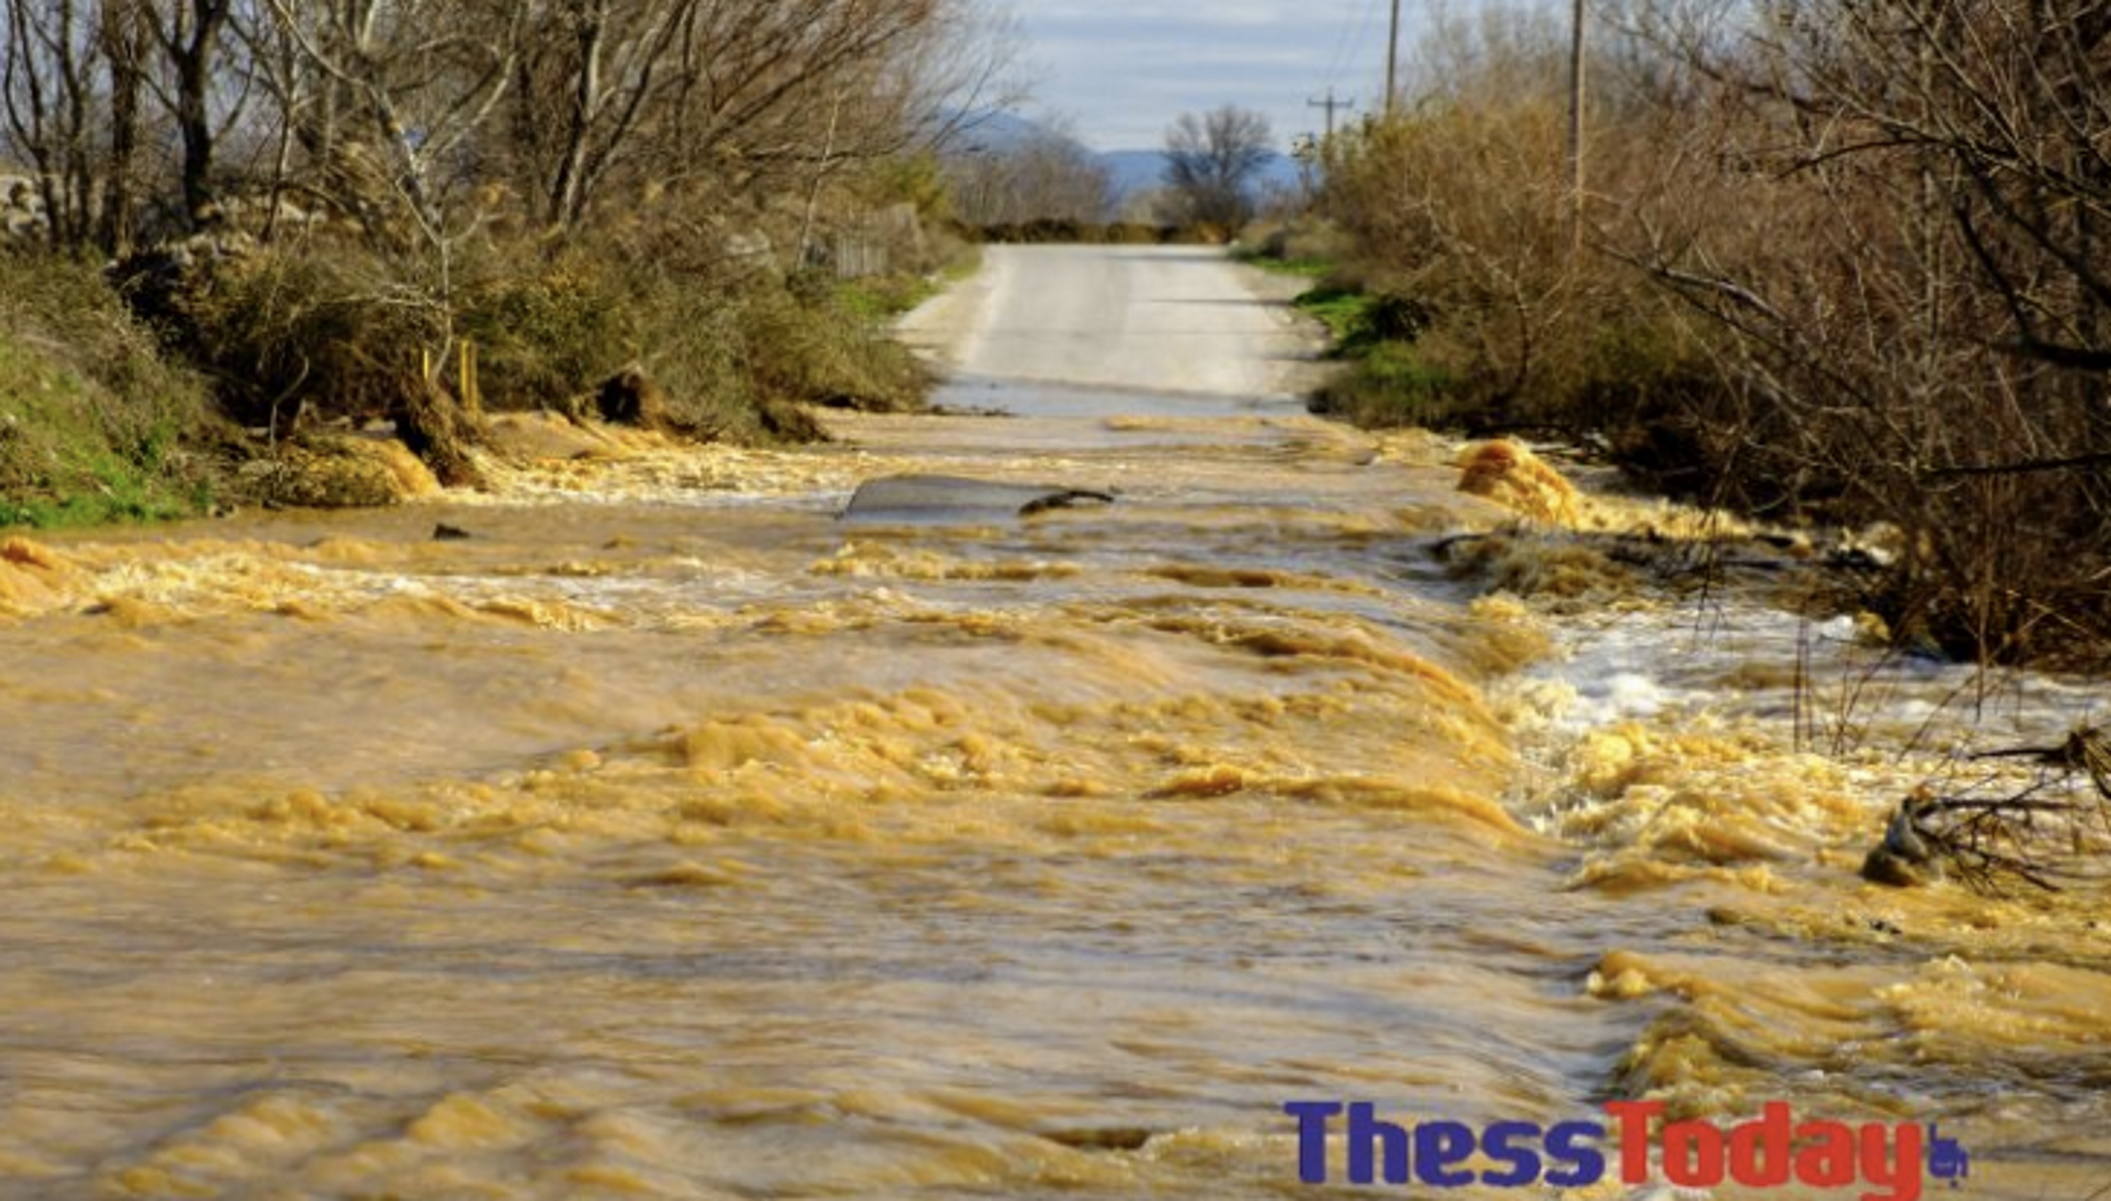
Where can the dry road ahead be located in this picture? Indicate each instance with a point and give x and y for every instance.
(1145, 318)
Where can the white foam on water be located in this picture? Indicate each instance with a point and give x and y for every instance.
(1745, 661)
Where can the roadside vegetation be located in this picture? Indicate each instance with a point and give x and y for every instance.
(318, 218)
(1831, 264)
(95, 425)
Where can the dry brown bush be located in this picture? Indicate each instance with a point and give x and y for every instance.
(1461, 207)
(1837, 260)
(1895, 208)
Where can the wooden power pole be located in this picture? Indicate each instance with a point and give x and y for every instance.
(1576, 177)
(1330, 104)
(1392, 59)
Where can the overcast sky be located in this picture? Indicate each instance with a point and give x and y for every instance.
(1122, 70)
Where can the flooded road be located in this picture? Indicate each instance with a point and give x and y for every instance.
(672, 836)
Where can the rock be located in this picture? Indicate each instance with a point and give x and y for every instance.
(629, 397)
(1903, 859)
(792, 422)
(1065, 499)
(1102, 1138)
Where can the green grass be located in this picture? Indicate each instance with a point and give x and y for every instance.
(1302, 268)
(1361, 320)
(93, 425)
(884, 297)
(72, 454)
(1388, 385)
(1344, 311)
(124, 498)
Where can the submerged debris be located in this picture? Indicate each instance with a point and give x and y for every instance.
(1104, 1138)
(2052, 829)
(948, 497)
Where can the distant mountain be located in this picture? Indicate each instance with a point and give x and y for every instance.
(1135, 171)
(1141, 170)
(995, 133)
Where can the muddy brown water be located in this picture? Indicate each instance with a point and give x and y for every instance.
(671, 837)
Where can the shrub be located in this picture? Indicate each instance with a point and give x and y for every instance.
(1390, 386)
(547, 331)
(94, 425)
(1845, 270)
(333, 333)
(815, 349)
(339, 334)
(1461, 212)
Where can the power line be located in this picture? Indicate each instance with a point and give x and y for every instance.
(1352, 34)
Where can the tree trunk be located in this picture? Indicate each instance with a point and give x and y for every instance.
(192, 47)
(125, 38)
(590, 20)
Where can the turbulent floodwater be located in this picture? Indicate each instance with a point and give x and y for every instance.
(672, 837)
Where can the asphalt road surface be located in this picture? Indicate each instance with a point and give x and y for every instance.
(1176, 319)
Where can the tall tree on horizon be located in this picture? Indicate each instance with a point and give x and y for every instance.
(1211, 163)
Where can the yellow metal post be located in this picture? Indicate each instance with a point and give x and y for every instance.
(472, 400)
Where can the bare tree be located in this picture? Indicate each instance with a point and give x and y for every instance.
(90, 87)
(387, 110)
(49, 76)
(736, 96)
(1047, 176)
(127, 37)
(93, 89)
(407, 89)
(291, 91)
(1212, 162)
(188, 34)
(2004, 104)
(593, 76)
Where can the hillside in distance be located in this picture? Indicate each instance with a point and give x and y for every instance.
(1132, 171)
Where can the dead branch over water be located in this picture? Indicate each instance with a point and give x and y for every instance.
(1995, 834)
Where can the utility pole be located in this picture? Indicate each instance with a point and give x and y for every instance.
(1330, 104)
(1576, 179)
(1392, 59)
